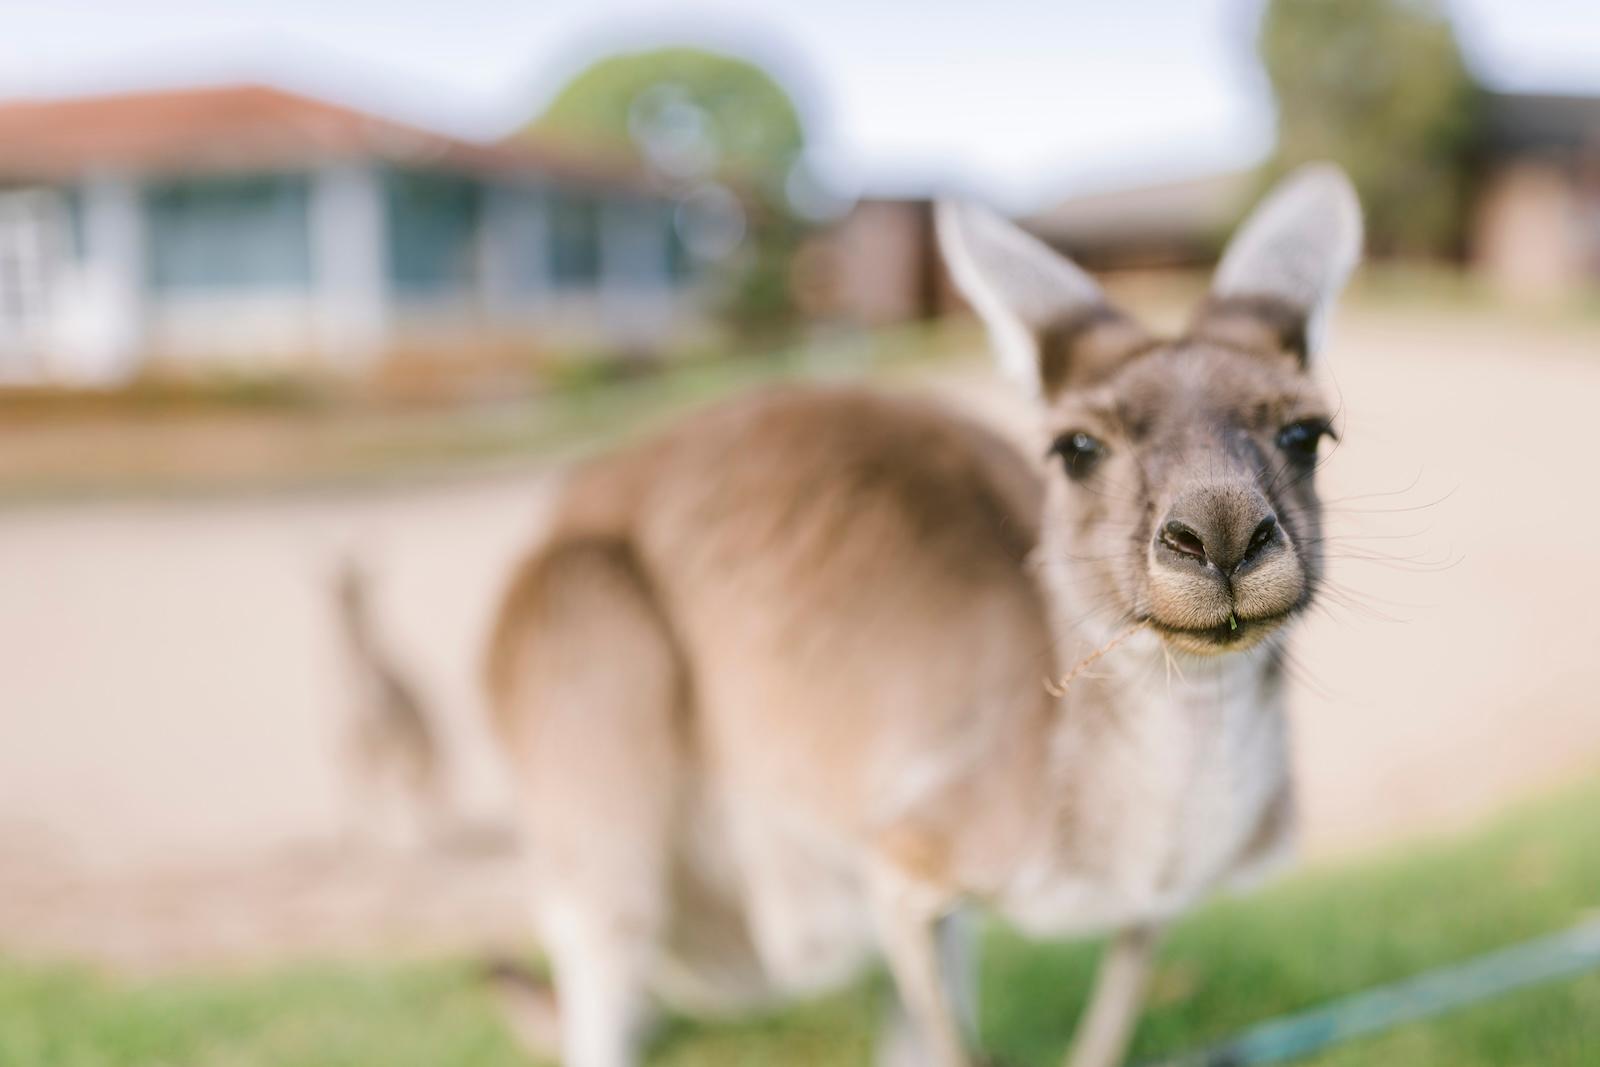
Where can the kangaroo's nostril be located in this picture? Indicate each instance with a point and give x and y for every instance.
(1181, 538)
(1265, 531)
(1264, 534)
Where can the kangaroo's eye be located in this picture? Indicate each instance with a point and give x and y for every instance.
(1299, 439)
(1078, 452)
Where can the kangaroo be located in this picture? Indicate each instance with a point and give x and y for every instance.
(390, 752)
(780, 689)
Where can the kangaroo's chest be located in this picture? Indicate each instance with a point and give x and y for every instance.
(1166, 793)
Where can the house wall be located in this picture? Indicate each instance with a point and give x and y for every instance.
(878, 266)
(257, 329)
(339, 265)
(35, 259)
(104, 321)
(539, 261)
(637, 288)
(229, 275)
(1528, 232)
(71, 311)
(349, 253)
(514, 250)
(548, 263)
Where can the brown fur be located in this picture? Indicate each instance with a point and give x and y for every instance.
(773, 688)
(1190, 426)
(392, 757)
(775, 595)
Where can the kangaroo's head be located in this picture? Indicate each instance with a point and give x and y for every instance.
(1180, 469)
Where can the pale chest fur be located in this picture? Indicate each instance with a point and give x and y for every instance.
(1168, 780)
(1155, 792)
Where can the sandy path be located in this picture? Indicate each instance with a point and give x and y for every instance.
(1487, 683)
(168, 675)
(169, 706)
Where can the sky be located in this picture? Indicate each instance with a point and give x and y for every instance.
(1020, 101)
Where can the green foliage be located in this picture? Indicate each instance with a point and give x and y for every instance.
(1322, 934)
(693, 117)
(750, 125)
(1380, 87)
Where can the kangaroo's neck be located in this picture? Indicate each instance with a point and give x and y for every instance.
(1140, 673)
(1142, 719)
(1162, 772)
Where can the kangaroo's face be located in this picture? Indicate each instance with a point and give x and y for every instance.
(1180, 481)
(1181, 493)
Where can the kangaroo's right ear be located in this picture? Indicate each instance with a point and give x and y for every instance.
(1049, 322)
(1283, 270)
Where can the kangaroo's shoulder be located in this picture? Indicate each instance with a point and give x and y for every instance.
(821, 449)
(864, 448)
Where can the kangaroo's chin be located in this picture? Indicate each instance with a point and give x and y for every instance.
(1235, 635)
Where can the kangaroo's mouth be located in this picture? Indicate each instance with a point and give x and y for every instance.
(1235, 635)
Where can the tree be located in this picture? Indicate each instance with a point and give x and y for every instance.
(683, 111)
(703, 122)
(1378, 86)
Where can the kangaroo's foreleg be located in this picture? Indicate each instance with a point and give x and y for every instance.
(601, 966)
(1107, 1026)
(909, 918)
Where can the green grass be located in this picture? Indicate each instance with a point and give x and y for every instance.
(1322, 934)
(1332, 932)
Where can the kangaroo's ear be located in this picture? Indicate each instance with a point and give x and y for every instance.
(1283, 270)
(1048, 320)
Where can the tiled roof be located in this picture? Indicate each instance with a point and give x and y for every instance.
(247, 127)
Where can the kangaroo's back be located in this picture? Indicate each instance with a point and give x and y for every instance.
(837, 573)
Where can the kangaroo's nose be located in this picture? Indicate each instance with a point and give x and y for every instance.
(1226, 528)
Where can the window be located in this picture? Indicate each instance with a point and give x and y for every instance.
(638, 248)
(680, 264)
(30, 245)
(212, 233)
(574, 241)
(433, 230)
(515, 226)
(77, 243)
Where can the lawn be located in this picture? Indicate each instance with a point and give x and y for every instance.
(1321, 934)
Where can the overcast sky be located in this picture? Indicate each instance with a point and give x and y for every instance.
(1020, 101)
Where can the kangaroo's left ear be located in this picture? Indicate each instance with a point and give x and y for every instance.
(1049, 322)
(1284, 269)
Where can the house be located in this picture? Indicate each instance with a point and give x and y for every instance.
(1536, 221)
(1532, 228)
(877, 265)
(1148, 227)
(248, 225)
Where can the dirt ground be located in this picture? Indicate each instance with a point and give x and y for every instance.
(169, 690)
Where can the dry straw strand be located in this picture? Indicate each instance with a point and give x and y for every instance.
(1057, 687)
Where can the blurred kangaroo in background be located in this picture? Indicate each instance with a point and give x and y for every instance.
(776, 689)
(392, 758)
